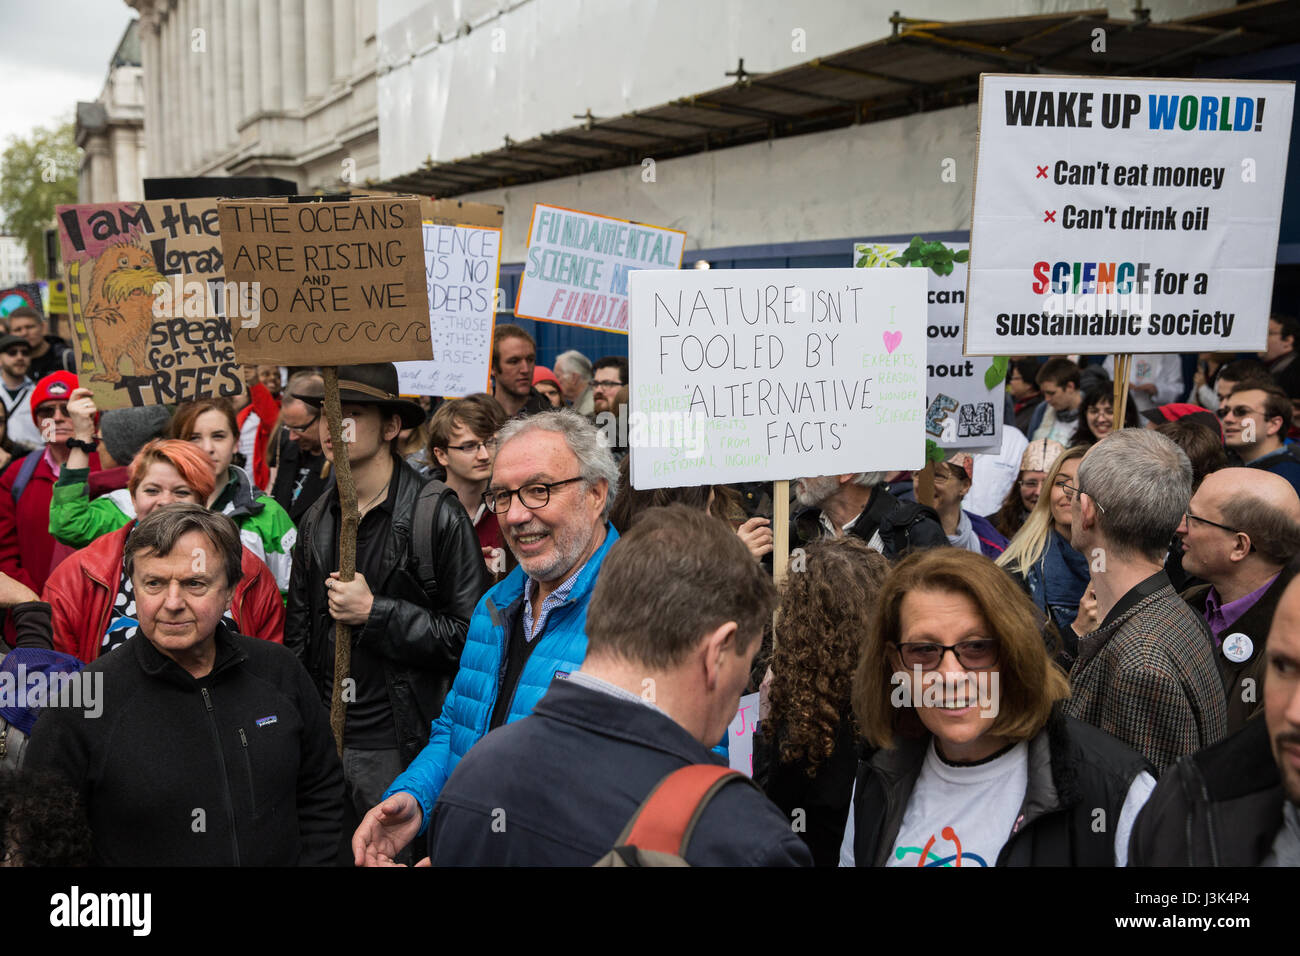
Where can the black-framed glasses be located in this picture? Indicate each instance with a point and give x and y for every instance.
(472, 447)
(1071, 491)
(44, 411)
(974, 655)
(16, 350)
(534, 495)
(301, 429)
(597, 383)
(1237, 411)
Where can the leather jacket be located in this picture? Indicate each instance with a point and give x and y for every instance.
(419, 632)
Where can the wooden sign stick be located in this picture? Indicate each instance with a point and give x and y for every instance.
(347, 547)
(780, 531)
(1120, 405)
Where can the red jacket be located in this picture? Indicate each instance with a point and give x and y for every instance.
(28, 552)
(81, 592)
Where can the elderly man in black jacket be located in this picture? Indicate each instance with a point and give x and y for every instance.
(1237, 803)
(419, 574)
(673, 625)
(210, 748)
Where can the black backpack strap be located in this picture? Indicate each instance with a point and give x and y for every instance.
(427, 508)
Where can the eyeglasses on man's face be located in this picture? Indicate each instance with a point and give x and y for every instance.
(472, 447)
(302, 429)
(1238, 411)
(1071, 492)
(534, 495)
(605, 383)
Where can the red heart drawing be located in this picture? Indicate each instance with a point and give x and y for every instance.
(892, 341)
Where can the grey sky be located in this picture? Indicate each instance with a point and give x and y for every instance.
(56, 52)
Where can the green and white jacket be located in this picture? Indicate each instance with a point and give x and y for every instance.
(264, 526)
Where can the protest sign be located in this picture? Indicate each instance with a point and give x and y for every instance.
(148, 301)
(461, 266)
(457, 212)
(762, 374)
(740, 736)
(578, 266)
(1125, 215)
(335, 283)
(21, 295)
(964, 397)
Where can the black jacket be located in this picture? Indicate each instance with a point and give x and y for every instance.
(558, 787)
(823, 797)
(419, 630)
(1074, 769)
(1221, 806)
(235, 768)
(1243, 681)
(904, 526)
(288, 460)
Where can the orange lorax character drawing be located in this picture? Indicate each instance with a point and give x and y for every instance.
(119, 309)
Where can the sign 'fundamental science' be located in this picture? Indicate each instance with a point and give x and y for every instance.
(767, 374)
(578, 266)
(1125, 215)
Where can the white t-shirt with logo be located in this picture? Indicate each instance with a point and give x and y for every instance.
(962, 816)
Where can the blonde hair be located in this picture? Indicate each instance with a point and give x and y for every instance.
(1030, 542)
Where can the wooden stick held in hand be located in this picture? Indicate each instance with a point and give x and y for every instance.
(347, 548)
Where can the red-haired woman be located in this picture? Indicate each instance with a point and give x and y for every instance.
(92, 599)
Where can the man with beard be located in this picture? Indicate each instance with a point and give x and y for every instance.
(551, 489)
(514, 356)
(301, 469)
(861, 504)
(1237, 803)
(610, 374)
(49, 353)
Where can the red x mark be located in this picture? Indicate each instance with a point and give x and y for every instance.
(1049, 215)
(1042, 172)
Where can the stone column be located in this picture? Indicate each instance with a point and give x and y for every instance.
(319, 47)
(345, 31)
(293, 69)
(150, 58)
(251, 57)
(272, 83)
(234, 74)
(219, 121)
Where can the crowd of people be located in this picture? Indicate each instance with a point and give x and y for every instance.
(969, 666)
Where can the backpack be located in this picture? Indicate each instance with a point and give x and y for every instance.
(427, 507)
(910, 525)
(26, 469)
(660, 830)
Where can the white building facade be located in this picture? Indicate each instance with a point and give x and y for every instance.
(110, 131)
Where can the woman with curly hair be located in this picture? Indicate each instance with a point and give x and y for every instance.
(805, 756)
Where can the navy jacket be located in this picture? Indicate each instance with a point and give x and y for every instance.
(558, 787)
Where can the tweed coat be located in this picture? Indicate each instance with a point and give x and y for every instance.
(1148, 676)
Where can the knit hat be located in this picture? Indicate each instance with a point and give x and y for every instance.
(1041, 455)
(543, 374)
(125, 431)
(21, 663)
(57, 386)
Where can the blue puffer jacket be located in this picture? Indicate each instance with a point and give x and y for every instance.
(468, 709)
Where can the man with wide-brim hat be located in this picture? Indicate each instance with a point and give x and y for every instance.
(419, 575)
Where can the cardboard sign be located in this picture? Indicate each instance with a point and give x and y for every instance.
(740, 736)
(334, 283)
(962, 409)
(461, 265)
(148, 301)
(1125, 215)
(765, 374)
(578, 266)
(448, 212)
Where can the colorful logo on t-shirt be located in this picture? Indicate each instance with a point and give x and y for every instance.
(926, 855)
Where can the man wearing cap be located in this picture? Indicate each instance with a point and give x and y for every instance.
(1240, 531)
(28, 552)
(50, 353)
(15, 361)
(419, 575)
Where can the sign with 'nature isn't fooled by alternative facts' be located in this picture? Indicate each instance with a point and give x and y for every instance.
(461, 264)
(768, 374)
(578, 266)
(334, 283)
(964, 395)
(1125, 215)
(148, 302)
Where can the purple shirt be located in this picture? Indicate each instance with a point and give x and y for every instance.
(1220, 617)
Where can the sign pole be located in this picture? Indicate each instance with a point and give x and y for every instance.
(923, 485)
(780, 531)
(1120, 404)
(347, 547)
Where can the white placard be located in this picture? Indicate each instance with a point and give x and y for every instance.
(1125, 215)
(740, 736)
(579, 263)
(765, 374)
(461, 264)
(962, 411)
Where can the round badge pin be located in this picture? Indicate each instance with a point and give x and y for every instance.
(1238, 647)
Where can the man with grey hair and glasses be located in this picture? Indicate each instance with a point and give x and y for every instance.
(1239, 533)
(573, 369)
(1147, 675)
(551, 488)
(861, 504)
